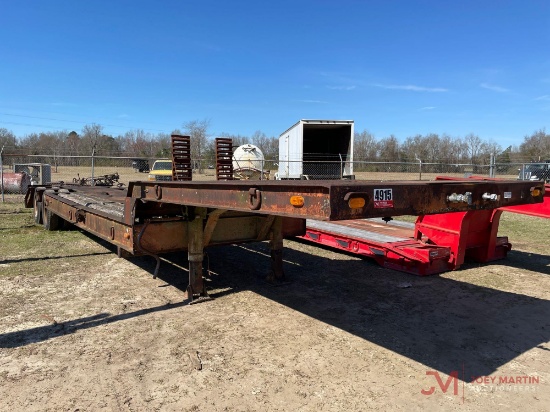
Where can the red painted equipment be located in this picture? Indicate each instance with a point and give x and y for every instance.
(538, 210)
(391, 245)
(434, 244)
(470, 234)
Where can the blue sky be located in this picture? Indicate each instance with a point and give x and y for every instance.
(395, 67)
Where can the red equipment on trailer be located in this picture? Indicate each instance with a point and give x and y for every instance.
(538, 210)
(434, 244)
(390, 244)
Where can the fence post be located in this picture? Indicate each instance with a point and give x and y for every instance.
(492, 165)
(93, 164)
(419, 166)
(2, 172)
(522, 171)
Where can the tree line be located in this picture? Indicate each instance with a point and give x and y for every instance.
(429, 148)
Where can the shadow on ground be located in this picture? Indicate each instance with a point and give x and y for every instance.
(442, 323)
(534, 262)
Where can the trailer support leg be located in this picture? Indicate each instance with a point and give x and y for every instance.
(196, 291)
(277, 274)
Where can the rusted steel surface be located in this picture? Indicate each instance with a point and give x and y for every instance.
(224, 158)
(538, 209)
(243, 211)
(15, 182)
(155, 227)
(341, 200)
(150, 218)
(100, 224)
(103, 180)
(102, 204)
(181, 158)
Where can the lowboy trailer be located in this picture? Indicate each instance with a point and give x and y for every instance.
(151, 218)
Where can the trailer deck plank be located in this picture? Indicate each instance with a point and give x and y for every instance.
(111, 207)
(365, 229)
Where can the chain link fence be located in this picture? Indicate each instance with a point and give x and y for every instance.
(366, 170)
(18, 172)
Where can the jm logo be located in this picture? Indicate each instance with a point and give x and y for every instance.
(453, 378)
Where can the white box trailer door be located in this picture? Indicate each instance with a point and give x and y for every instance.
(291, 153)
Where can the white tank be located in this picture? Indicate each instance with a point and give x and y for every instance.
(248, 161)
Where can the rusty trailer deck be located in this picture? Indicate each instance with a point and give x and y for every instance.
(341, 199)
(150, 218)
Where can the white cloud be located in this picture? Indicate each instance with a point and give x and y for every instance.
(427, 108)
(412, 88)
(493, 87)
(341, 87)
(546, 97)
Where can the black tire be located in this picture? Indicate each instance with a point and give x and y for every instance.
(51, 221)
(37, 210)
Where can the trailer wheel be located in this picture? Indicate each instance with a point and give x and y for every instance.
(51, 221)
(37, 210)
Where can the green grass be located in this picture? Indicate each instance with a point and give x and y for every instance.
(26, 246)
(527, 233)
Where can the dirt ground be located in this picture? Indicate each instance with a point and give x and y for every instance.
(82, 330)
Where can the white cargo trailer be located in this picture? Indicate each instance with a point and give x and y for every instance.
(317, 149)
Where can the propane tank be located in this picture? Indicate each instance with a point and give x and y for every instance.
(15, 182)
(248, 161)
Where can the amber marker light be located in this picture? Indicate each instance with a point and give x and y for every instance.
(535, 192)
(356, 202)
(297, 201)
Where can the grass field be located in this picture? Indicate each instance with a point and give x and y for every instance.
(127, 174)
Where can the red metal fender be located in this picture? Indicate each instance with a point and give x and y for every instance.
(470, 234)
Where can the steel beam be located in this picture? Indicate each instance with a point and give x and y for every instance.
(342, 200)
